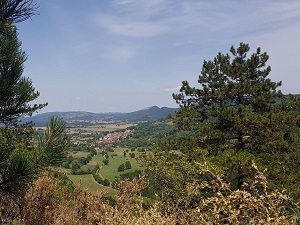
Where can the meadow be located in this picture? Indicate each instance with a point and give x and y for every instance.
(117, 158)
(87, 182)
(109, 171)
(79, 154)
(101, 128)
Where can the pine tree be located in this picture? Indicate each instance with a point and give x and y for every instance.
(17, 155)
(238, 105)
(16, 91)
(15, 11)
(20, 160)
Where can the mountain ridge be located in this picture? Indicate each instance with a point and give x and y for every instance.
(89, 118)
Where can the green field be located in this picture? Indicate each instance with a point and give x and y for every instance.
(91, 165)
(87, 182)
(102, 128)
(109, 171)
(80, 154)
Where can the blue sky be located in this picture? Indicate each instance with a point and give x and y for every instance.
(125, 55)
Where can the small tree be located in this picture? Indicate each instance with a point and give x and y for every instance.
(132, 155)
(75, 165)
(106, 182)
(127, 165)
(109, 149)
(121, 168)
(105, 161)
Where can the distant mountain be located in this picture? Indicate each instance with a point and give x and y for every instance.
(87, 118)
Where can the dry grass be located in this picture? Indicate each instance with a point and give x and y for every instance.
(48, 202)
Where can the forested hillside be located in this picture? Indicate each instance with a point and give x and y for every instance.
(87, 118)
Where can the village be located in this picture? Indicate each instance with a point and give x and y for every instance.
(96, 138)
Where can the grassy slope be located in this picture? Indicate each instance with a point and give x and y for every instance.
(80, 154)
(109, 172)
(87, 182)
(91, 165)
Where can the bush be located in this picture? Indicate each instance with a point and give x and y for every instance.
(127, 165)
(131, 175)
(132, 155)
(109, 149)
(80, 172)
(93, 152)
(46, 203)
(141, 150)
(105, 161)
(121, 168)
(104, 182)
(66, 165)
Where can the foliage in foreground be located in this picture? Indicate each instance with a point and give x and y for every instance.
(21, 160)
(51, 202)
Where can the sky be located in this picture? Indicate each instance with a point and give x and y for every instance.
(126, 55)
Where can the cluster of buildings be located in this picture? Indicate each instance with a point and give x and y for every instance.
(113, 137)
(107, 139)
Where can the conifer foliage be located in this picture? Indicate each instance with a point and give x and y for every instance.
(20, 159)
(237, 104)
(16, 91)
(16, 10)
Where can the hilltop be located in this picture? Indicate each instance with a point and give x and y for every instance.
(78, 118)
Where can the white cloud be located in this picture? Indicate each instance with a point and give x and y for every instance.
(151, 18)
(135, 18)
(142, 8)
(130, 27)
